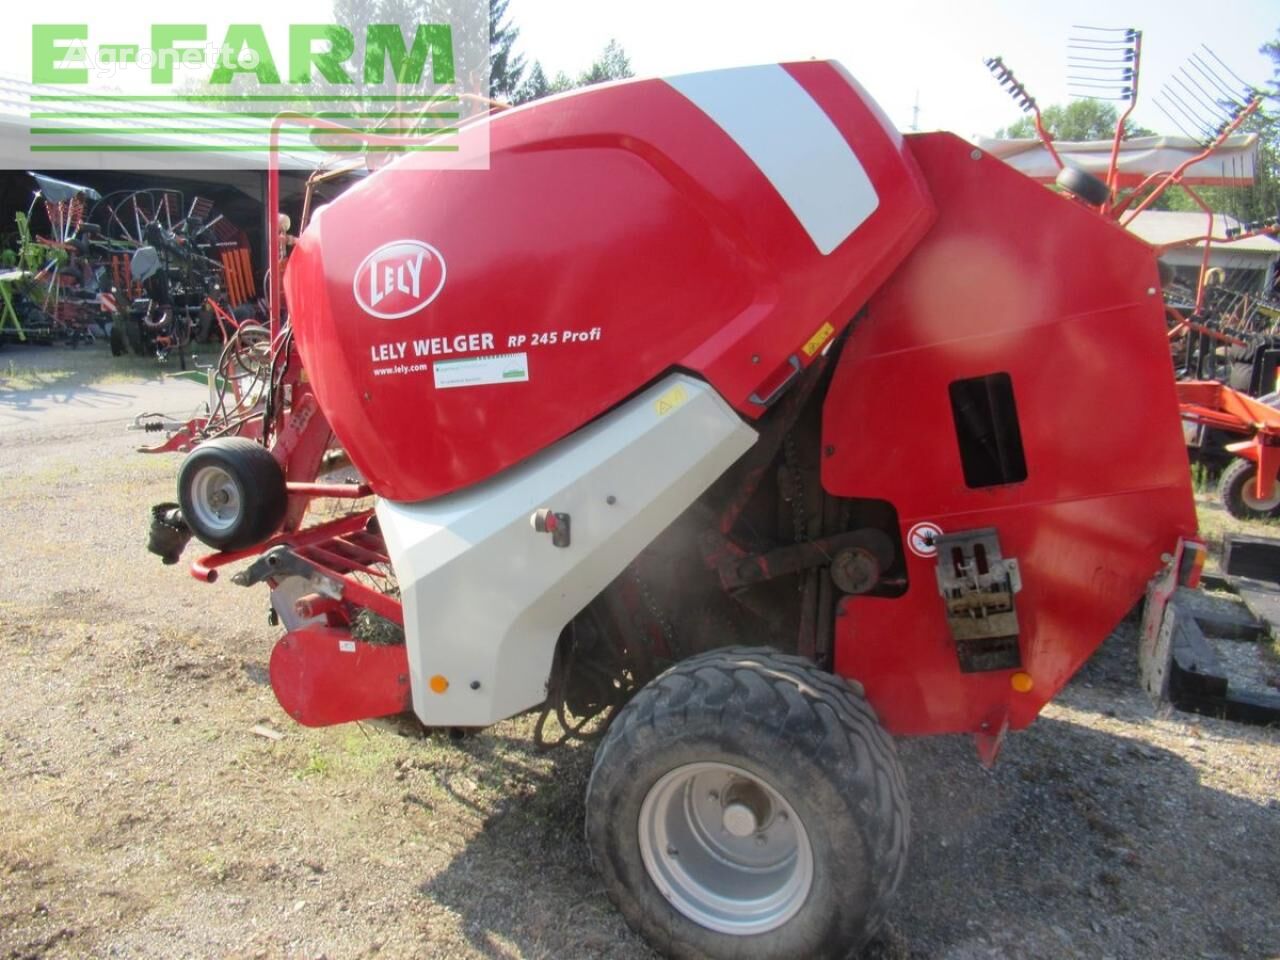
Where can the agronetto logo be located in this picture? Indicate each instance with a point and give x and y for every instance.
(300, 81)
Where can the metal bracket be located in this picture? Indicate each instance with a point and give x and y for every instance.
(280, 562)
(858, 560)
(776, 392)
(977, 583)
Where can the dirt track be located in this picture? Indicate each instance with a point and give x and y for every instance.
(142, 817)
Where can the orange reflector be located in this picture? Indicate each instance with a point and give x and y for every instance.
(1194, 554)
(438, 684)
(1021, 682)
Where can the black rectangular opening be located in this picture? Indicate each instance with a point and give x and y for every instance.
(987, 429)
(981, 654)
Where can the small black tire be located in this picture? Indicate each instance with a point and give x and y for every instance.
(203, 325)
(1235, 492)
(1240, 377)
(119, 345)
(232, 493)
(1083, 185)
(133, 336)
(807, 737)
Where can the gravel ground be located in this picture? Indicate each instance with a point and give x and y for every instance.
(143, 817)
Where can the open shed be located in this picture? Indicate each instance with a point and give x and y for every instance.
(237, 193)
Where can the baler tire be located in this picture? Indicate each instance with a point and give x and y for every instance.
(246, 472)
(804, 734)
(1234, 492)
(119, 345)
(1084, 185)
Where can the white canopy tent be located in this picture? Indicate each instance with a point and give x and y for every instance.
(1181, 236)
(1232, 164)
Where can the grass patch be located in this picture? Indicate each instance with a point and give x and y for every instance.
(352, 752)
(364, 751)
(127, 478)
(318, 764)
(1203, 480)
(24, 368)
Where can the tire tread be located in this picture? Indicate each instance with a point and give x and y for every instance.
(817, 714)
(1230, 486)
(262, 485)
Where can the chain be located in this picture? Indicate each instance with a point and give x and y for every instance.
(791, 459)
(654, 611)
(614, 690)
(555, 705)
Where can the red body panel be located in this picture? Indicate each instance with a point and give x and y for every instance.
(624, 214)
(322, 676)
(1012, 278)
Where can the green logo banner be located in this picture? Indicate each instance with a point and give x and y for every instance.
(363, 79)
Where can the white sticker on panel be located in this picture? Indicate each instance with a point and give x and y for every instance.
(481, 371)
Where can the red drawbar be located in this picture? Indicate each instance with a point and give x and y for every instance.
(323, 676)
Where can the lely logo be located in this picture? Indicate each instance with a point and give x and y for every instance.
(399, 279)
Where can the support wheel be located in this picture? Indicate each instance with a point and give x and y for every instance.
(1237, 492)
(747, 804)
(232, 493)
(1083, 185)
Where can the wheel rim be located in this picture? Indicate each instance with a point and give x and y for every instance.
(725, 848)
(215, 499)
(1250, 499)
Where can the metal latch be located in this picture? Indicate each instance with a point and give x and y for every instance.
(549, 521)
(978, 583)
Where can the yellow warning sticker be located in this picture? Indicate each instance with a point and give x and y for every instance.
(673, 398)
(819, 339)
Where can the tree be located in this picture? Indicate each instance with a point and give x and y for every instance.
(506, 67)
(535, 86)
(1262, 200)
(612, 64)
(1078, 120)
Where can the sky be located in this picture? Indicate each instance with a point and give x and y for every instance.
(926, 50)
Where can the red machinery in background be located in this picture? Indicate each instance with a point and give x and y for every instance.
(719, 416)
